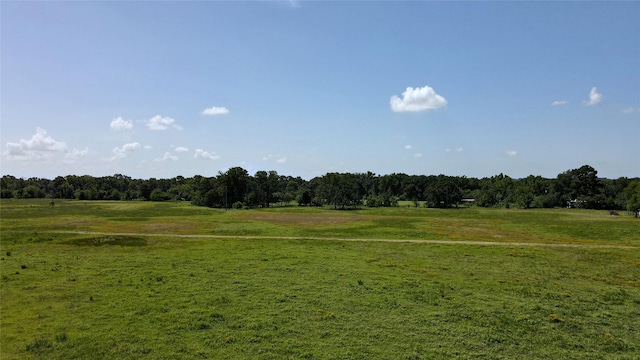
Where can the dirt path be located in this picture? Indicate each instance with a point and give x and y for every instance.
(444, 242)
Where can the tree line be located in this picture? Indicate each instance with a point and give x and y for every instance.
(236, 188)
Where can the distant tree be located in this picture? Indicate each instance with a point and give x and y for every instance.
(523, 196)
(442, 191)
(632, 192)
(6, 194)
(9, 186)
(580, 184)
(613, 192)
(158, 195)
(339, 190)
(304, 196)
(181, 192)
(496, 191)
(114, 194)
(235, 182)
(265, 186)
(144, 190)
(32, 192)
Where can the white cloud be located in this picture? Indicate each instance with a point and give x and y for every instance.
(216, 110)
(120, 124)
(459, 149)
(415, 100)
(559, 102)
(162, 123)
(201, 154)
(77, 154)
(129, 147)
(630, 110)
(121, 153)
(40, 145)
(180, 149)
(167, 156)
(594, 97)
(282, 160)
(418, 155)
(512, 153)
(408, 147)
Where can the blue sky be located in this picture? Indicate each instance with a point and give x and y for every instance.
(160, 89)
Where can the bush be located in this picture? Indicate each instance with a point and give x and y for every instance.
(239, 205)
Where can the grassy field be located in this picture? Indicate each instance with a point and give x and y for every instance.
(286, 292)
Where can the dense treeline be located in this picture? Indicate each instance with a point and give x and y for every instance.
(237, 188)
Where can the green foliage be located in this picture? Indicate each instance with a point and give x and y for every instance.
(159, 195)
(239, 205)
(632, 193)
(32, 192)
(577, 187)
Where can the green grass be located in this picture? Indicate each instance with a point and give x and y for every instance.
(115, 296)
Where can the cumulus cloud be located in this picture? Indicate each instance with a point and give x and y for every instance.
(121, 152)
(77, 154)
(216, 110)
(512, 153)
(630, 110)
(418, 155)
(162, 123)
(456, 150)
(201, 154)
(559, 102)
(408, 147)
(167, 156)
(180, 149)
(40, 145)
(120, 124)
(595, 97)
(418, 99)
(282, 160)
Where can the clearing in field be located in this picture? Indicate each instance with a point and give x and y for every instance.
(86, 280)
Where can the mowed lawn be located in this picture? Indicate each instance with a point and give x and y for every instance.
(72, 295)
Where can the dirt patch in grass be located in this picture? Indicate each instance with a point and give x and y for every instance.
(110, 240)
(304, 219)
(169, 226)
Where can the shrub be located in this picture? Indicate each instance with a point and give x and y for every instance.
(238, 205)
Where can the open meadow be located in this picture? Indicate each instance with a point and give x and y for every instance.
(168, 280)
